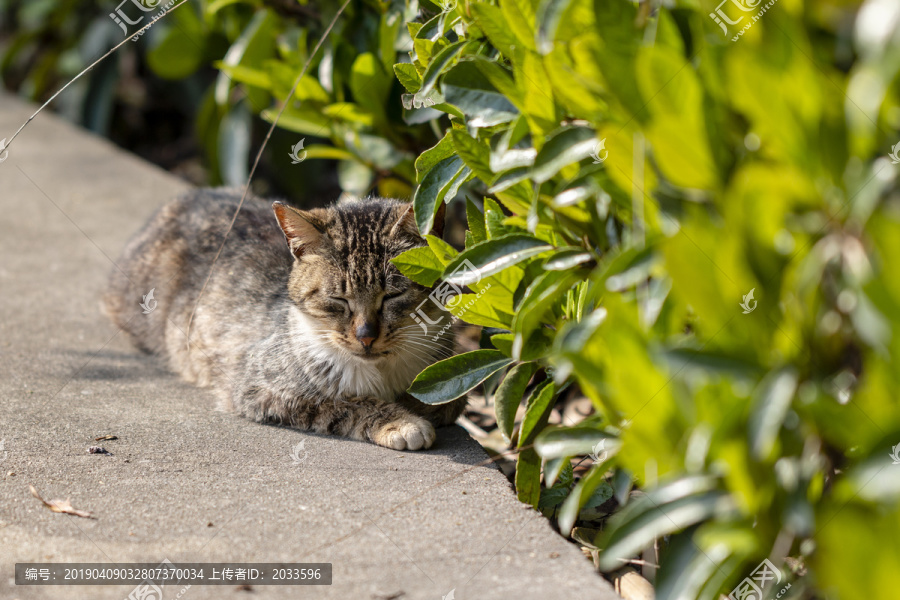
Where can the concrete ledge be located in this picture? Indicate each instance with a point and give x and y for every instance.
(186, 482)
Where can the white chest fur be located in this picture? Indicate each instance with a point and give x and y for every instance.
(350, 375)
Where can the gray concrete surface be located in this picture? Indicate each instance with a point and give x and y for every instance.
(186, 482)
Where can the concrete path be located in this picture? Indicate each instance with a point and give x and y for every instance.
(188, 483)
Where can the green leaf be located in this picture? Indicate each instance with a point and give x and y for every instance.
(481, 310)
(625, 537)
(564, 148)
(327, 152)
(503, 343)
(556, 442)
(282, 78)
(500, 78)
(447, 380)
(310, 122)
(579, 496)
(537, 412)
(491, 21)
(421, 265)
(255, 43)
(537, 96)
(408, 77)
(492, 256)
(433, 189)
(678, 131)
(475, 154)
(549, 14)
(176, 54)
(552, 497)
(437, 66)
(770, 406)
(234, 144)
(599, 496)
(559, 469)
(510, 394)
(519, 18)
(528, 477)
(510, 178)
(494, 218)
(475, 219)
(428, 159)
(370, 84)
(465, 87)
(442, 250)
(349, 112)
(247, 75)
(539, 297)
(567, 258)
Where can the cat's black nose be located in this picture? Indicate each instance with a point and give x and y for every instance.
(366, 334)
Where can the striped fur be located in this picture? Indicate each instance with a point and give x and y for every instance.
(277, 331)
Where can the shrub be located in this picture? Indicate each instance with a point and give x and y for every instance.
(700, 233)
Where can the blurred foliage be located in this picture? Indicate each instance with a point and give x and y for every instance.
(641, 174)
(630, 175)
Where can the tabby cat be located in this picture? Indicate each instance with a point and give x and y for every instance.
(318, 333)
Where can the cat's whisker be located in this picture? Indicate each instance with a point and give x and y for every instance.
(434, 350)
(423, 337)
(425, 359)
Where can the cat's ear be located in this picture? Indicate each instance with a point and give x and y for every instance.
(407, 222)
(302, 229)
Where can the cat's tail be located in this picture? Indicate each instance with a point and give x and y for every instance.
(141, 285)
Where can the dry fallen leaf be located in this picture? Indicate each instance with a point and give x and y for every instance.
(61, 506)
(106, 437)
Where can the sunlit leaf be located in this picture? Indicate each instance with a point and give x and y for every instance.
(450, 378)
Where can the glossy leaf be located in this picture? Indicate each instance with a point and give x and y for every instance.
(528, 477)
(450, 378)
(509, 396)
(433, 190)
(555, 442)
(537, 411)
(492, 256)
(566, 147)
(421, 265)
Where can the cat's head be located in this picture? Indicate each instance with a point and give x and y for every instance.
(345, 285)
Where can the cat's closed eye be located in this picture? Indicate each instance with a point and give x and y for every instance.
(337, 300)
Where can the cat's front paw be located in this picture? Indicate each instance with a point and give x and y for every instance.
(405, 434)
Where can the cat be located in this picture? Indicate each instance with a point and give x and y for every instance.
(304, 321)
